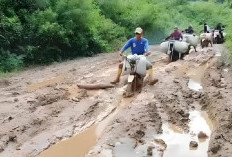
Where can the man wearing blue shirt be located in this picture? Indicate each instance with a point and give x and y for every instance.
(139, 46)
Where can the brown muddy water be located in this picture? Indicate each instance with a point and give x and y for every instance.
(78, 145)
(195, 77)
(81, 144)
(176, 139)
(45, 83)
(178, 142)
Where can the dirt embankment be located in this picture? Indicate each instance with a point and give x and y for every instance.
(42, 106)
(218, 102)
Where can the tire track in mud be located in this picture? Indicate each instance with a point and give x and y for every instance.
(51, 100)
(217, 102)
(172, 105)
(131, 123)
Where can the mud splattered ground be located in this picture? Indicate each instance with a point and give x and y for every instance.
(43, 106)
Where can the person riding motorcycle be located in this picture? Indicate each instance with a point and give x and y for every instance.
(219, 28)
(176, 35)
(139, 46)
(189, 30)
(206, 28)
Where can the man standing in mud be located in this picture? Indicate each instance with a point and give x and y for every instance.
(139, 46)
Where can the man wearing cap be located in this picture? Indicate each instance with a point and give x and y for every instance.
(176, 35)
(139, 46)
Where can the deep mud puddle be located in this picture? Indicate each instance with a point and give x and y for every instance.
(45, 83)
(124, 148)
(82, 143)
(195, 75)
(194, 85)
(78, 145)
(178, 142)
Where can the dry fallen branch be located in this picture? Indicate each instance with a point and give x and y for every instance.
(95, 86)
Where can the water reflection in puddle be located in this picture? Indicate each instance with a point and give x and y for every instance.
(196, 74)
(194, 85)
(175, 138)
(125, 149)
(178, 143)
(218, 54)
(226, 70)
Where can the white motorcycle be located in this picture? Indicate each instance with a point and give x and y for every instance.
(175, 49)
(135, 66)
(217, 37)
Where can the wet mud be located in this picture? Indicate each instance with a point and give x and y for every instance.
(187, 113)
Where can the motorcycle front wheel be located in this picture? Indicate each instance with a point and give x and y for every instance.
(135, 86)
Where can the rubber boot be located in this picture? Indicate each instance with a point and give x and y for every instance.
(151, 76)
(118, 76)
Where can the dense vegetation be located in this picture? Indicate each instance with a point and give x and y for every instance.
(44, 31)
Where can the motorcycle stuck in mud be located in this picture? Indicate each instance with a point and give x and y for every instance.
(175, 49)
(218, 37)
(135, 66)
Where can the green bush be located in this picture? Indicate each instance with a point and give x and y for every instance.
(44, 31)
(47, 31)
(9, 61)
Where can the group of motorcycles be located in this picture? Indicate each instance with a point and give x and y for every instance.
(135, 64)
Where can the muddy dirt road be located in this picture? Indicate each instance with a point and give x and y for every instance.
(187, 113)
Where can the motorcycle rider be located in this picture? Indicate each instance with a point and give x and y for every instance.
(176, 35)
(219, 27)
(139, 46)
(206, 28)
(189, 30)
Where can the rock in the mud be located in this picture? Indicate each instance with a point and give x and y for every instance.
(111, 144)
(176, 81)
(10, 118)
(215, 149)
(73, 69)
(149, 151)
(75, 99)
(193, 144)
(196, 95)
(37, 121)
(184, 120)
(161, 142)
(1, 147)
(18, 147)
(138, 135)
(183, 114)
(16, 100)
(202, 135)
(218, 137)
(31, 101)
(12, 138)
(15, 93)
